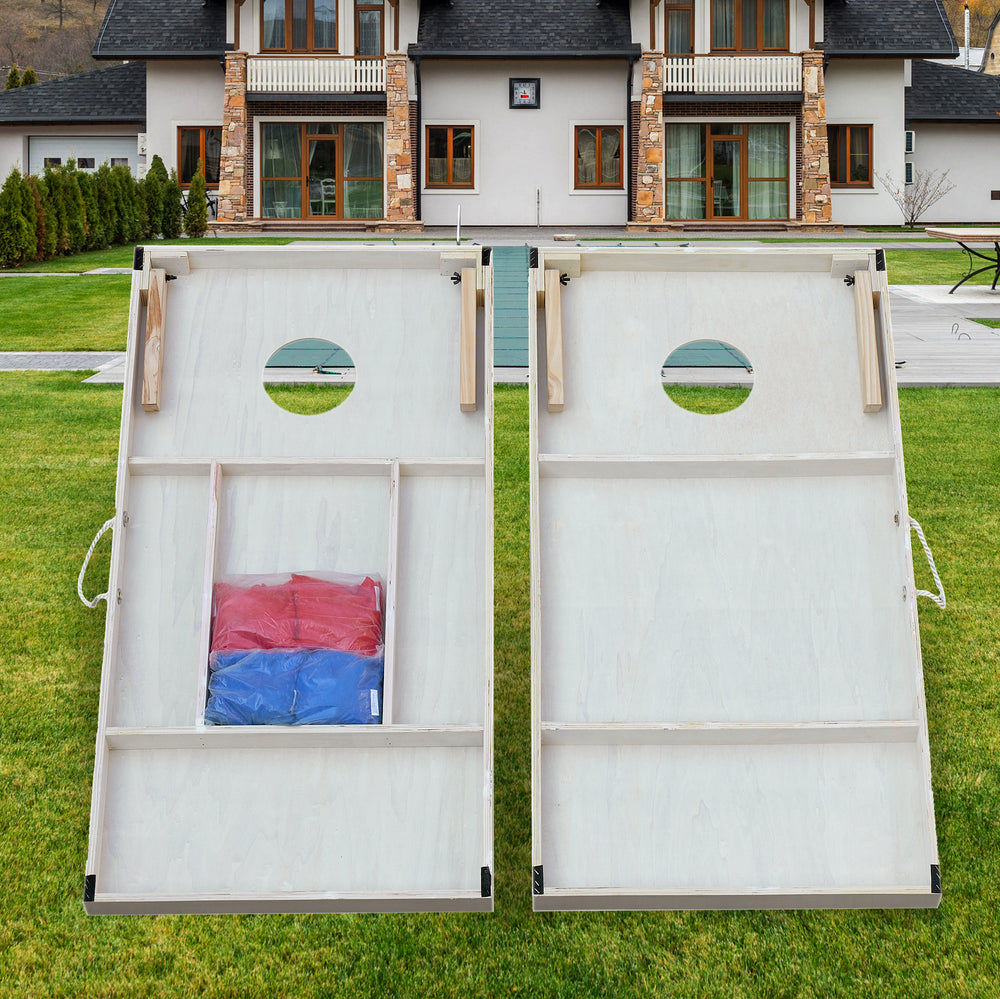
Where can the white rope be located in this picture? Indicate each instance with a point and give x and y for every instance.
(86, 562)
(939, 597)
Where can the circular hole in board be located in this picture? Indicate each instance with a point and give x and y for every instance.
(309, 377)
(707, 377)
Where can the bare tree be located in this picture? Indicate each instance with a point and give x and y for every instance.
(927, 189)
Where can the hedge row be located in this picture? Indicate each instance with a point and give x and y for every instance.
(67, 210)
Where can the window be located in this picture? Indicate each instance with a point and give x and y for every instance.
(678, 21)
(299, 26)
(368, 28)
(850, 155)
(750, 25)
(321, 170)
(85, 162)
(911, 141)
(909, 173)
(119, 161)
(449, 156)
(203, 143)
(598, 156)
(52, 161)
(734, 170)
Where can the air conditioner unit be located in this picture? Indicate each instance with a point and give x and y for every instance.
(141, 142)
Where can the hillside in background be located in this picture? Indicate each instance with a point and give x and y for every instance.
(54, 36)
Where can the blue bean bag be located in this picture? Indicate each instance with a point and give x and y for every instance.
(294, 687)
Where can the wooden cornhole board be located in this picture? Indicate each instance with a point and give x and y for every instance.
(216, 479)
(727, 694)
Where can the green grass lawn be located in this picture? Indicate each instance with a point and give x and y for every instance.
(64, 313)
(994, 323)
(930, 267)
(308, 400)
(57, 466)
(121, 256)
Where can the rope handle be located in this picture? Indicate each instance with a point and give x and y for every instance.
(939, 597)
(83, 570)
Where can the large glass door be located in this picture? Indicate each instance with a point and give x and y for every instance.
(322, 170)
(321, 155)
(725, 179)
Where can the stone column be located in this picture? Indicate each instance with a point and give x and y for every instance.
(816, 206)
(399, 169)
(649, 169)
(233, 161)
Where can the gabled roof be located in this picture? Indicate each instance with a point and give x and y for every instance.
(524, 28)
(951, 93)
(153, 29)
(113, 95)
(903, 29)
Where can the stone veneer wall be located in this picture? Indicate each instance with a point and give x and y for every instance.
(738, 110)
(233, 179)
(815, 176)
(649, 161)
(399, 185)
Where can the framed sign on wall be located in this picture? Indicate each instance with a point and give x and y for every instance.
(525, 93)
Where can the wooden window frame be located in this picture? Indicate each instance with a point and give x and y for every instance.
(201, 129)
(667, 8)
(310, 30)
(450, 183)
(599, 184)
(846, 132)
(358, 8)
(740, 48)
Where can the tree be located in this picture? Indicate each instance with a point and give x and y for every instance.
(15, 240)
(981, 14)
(196, 213)
(927, 189)
(172, 221)
(35, 193)
(30, 77)
(13, 79)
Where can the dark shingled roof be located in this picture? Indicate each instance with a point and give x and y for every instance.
(153, 29)
(529, 28)
(909, 29)
(115, 94)
(951, 93)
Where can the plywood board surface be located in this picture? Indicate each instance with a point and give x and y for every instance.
(727, 696)
(395, 482)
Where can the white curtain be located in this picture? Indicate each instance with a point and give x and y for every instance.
(723, 24)
(767, 149)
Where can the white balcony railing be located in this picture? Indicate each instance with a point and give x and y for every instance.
(314, 75)
(757, 74)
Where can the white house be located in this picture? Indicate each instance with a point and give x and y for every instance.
(653, 113)
(953, 122)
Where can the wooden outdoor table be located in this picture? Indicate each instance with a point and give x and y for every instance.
(965, 236)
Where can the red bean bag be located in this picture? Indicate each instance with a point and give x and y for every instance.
(304, 613)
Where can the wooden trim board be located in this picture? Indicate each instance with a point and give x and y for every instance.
(727, 694)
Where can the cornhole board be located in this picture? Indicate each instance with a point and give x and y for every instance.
(217, 479)
(727, 693)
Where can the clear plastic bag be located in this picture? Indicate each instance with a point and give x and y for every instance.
(296, 649)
